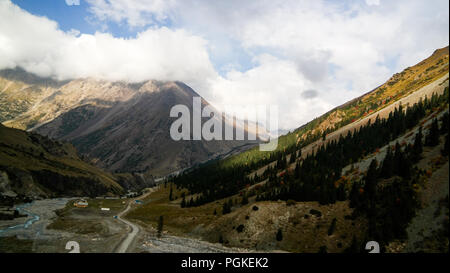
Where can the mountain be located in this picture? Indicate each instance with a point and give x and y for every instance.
(122, 127)
(20, 91)
(428, 76)
(34, 166)
(425, 83)
(372, 169)
(398, 86)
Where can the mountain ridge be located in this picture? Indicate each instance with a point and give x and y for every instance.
(122, 127)
(34, 166)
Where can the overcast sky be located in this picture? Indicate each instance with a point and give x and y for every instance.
(304, 56)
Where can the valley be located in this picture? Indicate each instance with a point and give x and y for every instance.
(94, 230)
(227, 213)
(375, 168)
(254, 225)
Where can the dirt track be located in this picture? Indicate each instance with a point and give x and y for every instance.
(125, 244)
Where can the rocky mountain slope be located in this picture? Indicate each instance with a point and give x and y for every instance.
(34, 166)
(122, 127)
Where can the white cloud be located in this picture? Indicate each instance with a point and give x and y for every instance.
(36, 44)
(271, 82)
(359, 42)
(344, 48)
(340, 49)
(373, 2)
(134, 12)
(74, 32)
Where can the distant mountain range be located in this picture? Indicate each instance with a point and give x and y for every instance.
(121, 127)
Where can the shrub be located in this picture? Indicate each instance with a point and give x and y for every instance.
(240, 228)
(323, 249)
(315, 212)
(332, 227)
(290, 202)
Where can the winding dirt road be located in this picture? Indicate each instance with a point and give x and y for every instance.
(130, 237)
(125, 244)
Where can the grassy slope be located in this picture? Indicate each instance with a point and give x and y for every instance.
(300, 233)
(87, 220)
(177, 220)
(15, 245)
(27, 152)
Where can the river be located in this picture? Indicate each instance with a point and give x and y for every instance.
(22, 209)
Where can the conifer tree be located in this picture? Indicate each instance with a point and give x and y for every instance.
(387, 168)
(225, 209)
(279, 235)
(244, 200)
(418, 146)
(445, 151)
(445, 121)
(160, 225)
(332, 227)
(183, 202)
(297, 171)
(371, 182)
(341, 193)
(432, 138)
(293, 157)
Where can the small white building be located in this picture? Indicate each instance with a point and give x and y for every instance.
(81, 203)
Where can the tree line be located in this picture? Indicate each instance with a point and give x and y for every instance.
(314, 177)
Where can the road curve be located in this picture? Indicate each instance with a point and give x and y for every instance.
(130, 236)
(125, 244)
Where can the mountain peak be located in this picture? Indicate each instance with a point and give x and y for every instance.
(442, 51)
